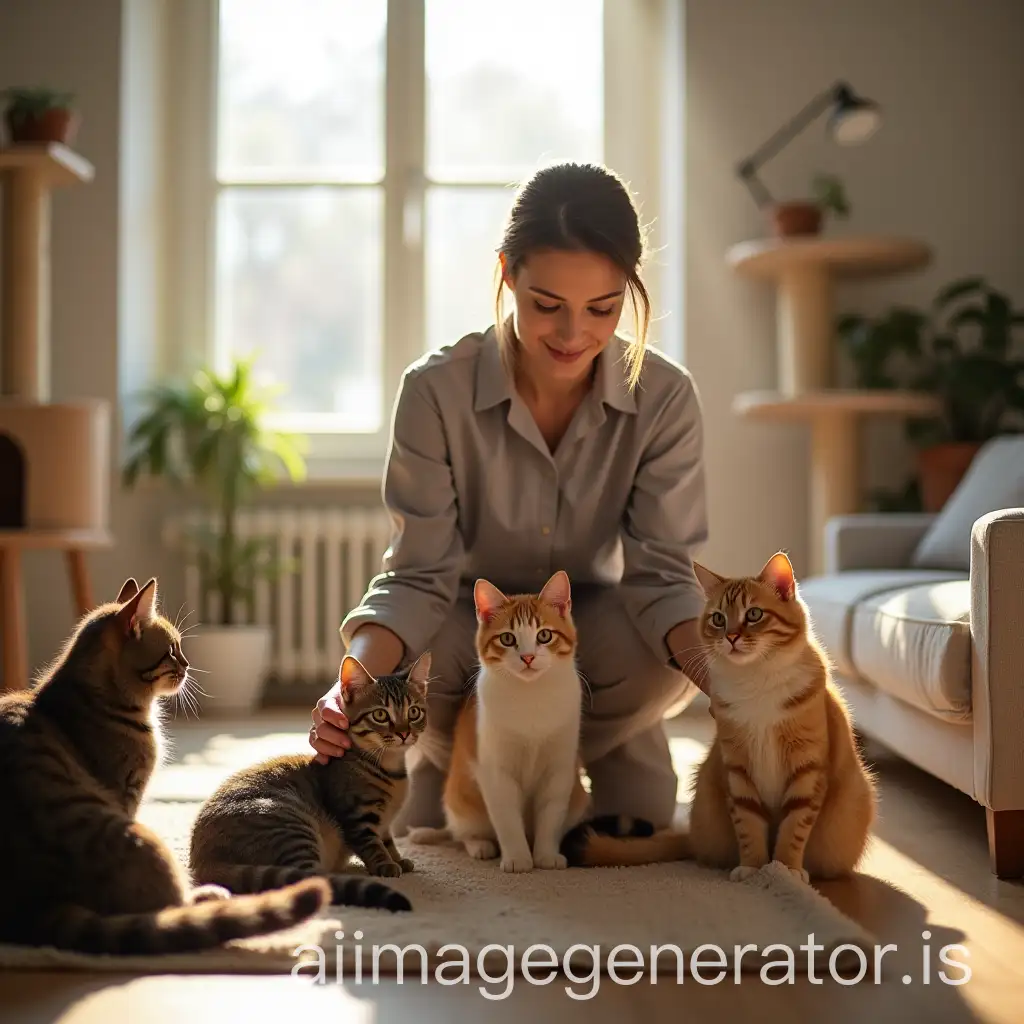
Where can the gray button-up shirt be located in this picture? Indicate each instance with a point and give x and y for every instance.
(473, 491)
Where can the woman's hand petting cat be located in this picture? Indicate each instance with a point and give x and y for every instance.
(328, 735)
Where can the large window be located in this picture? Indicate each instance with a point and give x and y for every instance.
(350, 167)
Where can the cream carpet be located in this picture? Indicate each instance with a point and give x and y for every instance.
(470, 912)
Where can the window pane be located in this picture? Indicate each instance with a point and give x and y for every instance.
(302, 88)
(511, 86)
(463, 231)
(299, 275)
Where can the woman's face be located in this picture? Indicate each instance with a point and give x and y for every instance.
(568, 305)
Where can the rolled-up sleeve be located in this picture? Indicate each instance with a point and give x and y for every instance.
(420, 571)
(665, 521)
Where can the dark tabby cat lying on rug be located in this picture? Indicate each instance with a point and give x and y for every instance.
(291, 817)
(76, 752)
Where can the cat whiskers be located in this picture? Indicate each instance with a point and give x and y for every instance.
(700, 659)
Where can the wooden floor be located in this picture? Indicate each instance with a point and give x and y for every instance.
(927, 872)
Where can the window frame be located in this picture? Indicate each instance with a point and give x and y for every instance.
(633, 37)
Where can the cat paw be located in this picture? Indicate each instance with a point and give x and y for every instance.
(800, 873)
(406, 865)
(524, 862)
(742, 872)
(206, 893)
(550, 861)
(389, 870)
(481, 849)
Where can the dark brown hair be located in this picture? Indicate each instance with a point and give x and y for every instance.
(574, 207)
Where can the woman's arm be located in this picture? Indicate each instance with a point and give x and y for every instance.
(404, 605)
(665, 522)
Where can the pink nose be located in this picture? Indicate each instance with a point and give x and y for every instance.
(527, 659)
(403, 736)
(733, 637)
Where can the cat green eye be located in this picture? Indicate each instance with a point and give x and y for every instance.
(415, 714)
(544, 636)
(508, 639)
(718, 620)
(381, 717)
(754, 615)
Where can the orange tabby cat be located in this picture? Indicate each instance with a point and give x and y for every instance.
(783, 780)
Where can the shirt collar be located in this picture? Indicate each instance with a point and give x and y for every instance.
(611, 384)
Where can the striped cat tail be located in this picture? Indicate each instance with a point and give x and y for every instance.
(186, 929)
(620, 841)
(346, 890)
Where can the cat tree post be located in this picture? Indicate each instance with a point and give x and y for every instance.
(804, 272)
(54, 457)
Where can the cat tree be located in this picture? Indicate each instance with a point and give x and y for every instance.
(54, 456)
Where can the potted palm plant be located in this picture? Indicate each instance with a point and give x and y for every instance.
(963, 351)
(210, 432)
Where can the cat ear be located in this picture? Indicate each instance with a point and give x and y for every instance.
(778, 574)
(557, 592)
(138, 608)
(353, 677)
(488, 600)
(707, 579)
(419, 674)
(128, 590)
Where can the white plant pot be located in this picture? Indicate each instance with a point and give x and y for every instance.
(231, 664)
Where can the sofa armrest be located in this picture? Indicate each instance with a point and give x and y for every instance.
(997, 619)
(878, 540)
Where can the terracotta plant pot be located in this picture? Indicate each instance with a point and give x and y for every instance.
(796, 218)
(940, 469)
(54, 125)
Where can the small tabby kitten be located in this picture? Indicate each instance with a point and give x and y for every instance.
(76, 753)
(291, 817)
(783, 779)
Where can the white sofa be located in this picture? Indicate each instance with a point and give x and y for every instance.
(923, 618)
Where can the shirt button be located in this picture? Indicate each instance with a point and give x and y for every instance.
(545, 530)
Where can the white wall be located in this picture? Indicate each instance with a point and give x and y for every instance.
(947, 167)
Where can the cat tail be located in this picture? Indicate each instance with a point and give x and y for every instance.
(346, 890)
(186, 929)
(424, 836)
(621, 841)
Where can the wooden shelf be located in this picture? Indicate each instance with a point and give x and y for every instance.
(862, 256)
(82, 540)
(58, 164)
(770, 405)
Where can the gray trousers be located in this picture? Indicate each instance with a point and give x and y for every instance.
(623, 742)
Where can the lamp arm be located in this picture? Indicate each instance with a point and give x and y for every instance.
(748, 168)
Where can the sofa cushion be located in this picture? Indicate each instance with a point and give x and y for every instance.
(915, 644)
(832, 598)
(994, 481)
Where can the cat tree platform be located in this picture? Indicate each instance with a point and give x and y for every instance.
(804, 272)
(54, 456)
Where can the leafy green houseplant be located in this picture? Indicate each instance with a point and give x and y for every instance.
(804, 217)
(965, 351)
(210, 433)
(37, 115)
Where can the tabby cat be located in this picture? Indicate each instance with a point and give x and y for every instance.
(76, 753)
(783, 780)
(290, 817)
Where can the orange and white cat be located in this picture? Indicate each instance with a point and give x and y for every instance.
(514, 787)
(783, 780)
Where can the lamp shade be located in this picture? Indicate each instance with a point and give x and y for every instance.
(854, 119)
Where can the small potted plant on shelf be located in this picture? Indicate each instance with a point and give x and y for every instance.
(210, 432)
(963, 352)
(804, 217)
(37, 115)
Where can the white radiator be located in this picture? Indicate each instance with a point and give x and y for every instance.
(334, 554)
